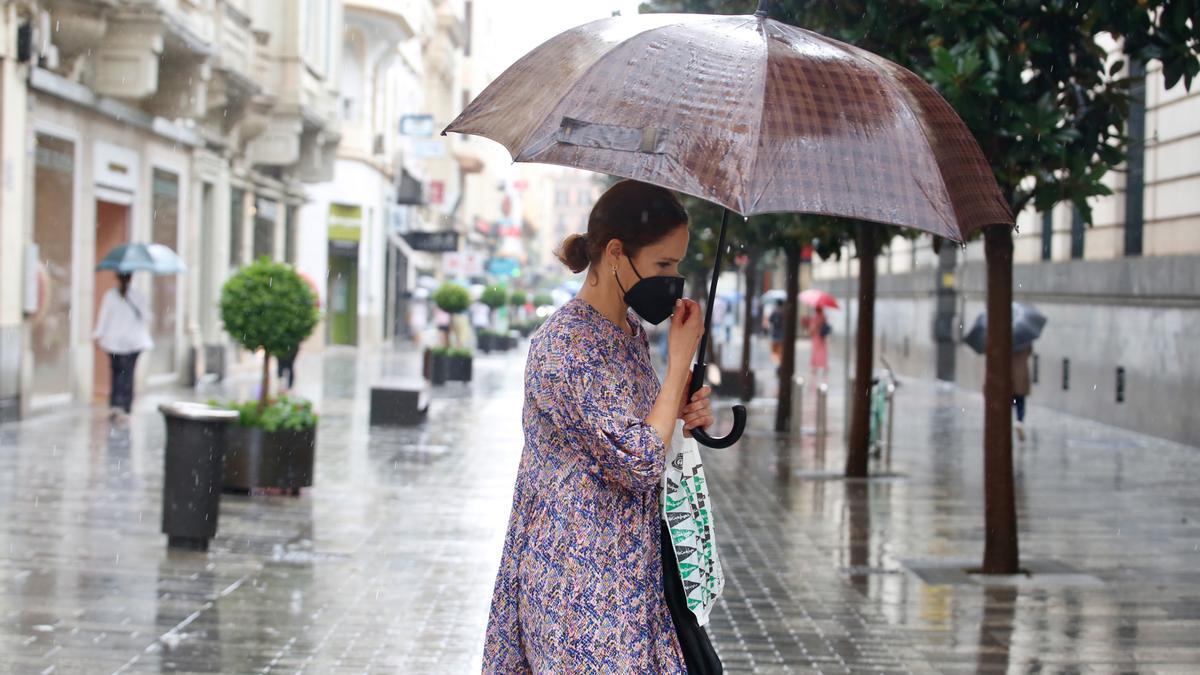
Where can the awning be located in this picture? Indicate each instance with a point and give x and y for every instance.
(468, 163)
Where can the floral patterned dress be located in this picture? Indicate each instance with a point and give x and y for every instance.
(580, 586)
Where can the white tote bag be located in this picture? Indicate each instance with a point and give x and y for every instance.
(687, 510)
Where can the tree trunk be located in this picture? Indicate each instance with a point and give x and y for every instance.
(787, 367)
(748, 326)
(266, 382)
(857, 450)
(1000, 552)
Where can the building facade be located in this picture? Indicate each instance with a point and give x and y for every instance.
(353, 225)
(191, 123)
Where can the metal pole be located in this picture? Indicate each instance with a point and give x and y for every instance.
(891, 410)
(797, 406)
(822, 409)
(846, 351)
(702, 353)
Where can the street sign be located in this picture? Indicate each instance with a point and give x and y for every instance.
(428, 148)
(504, 267)
(463, 264)
(434, 242)
(417, 125)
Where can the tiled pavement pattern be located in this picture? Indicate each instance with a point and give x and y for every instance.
(387, 564)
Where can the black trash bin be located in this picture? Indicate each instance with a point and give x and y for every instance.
(193, 459)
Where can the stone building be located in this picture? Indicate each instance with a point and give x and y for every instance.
(192, 123)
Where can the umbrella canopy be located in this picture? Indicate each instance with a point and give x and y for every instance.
(749, 113)
(746, 112)
(155, 258)
(815, 297)
(1028, 323)
(774, 295)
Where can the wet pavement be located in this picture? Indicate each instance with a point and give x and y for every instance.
(386, 565)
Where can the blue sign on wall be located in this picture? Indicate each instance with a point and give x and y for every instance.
(504, 267)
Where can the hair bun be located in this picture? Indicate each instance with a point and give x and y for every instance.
(573, 253)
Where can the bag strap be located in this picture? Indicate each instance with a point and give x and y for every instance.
(132, 305)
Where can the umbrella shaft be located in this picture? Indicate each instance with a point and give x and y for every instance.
(702, 354)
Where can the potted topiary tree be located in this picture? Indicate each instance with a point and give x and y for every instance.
(267, 306)
(494, 297)
(517, 302)
(449, 362)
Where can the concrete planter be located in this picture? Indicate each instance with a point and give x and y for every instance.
(459, 368)
(255, 458)
(440, 369)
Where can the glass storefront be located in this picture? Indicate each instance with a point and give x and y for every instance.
(266, 213)
(237, 218)
(165, 217)
(289, 235)
(53, 218)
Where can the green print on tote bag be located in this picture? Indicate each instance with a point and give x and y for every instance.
(686, 510)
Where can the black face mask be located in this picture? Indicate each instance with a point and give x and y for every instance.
(653, 298)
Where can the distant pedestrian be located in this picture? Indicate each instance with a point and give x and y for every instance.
(481, 316)
(418, 315)
(123, 332)
(776, 323)
(1022, 384)
(442, 318)
(819, 329)
(286, 368)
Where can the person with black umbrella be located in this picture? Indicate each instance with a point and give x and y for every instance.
(1027, 326)
(1022, 385)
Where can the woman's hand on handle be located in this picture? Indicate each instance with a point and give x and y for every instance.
(687, 327)
(697, 413)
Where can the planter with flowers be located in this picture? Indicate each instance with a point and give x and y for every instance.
(447, 362)
(268, 307)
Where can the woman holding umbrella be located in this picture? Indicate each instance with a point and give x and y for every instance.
(123, 332)
(581, 582)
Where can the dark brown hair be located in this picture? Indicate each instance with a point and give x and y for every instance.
(638, 214)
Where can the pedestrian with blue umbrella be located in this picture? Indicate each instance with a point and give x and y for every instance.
(123, 324)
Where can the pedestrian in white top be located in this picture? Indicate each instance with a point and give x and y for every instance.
(123, 332)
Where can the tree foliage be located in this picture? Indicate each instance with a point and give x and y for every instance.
(494, 297)
(451, 297)
(268, 306)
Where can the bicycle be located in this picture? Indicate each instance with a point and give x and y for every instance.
(883, 388)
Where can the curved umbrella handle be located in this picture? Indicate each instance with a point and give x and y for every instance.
(739, 417)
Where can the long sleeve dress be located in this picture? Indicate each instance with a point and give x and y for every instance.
(580, 587)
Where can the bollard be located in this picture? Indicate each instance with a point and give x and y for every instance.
(822, 408)
(797, 406)
(193, 463)
(891, 417)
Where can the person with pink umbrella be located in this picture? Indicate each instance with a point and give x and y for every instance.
(818, 329)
